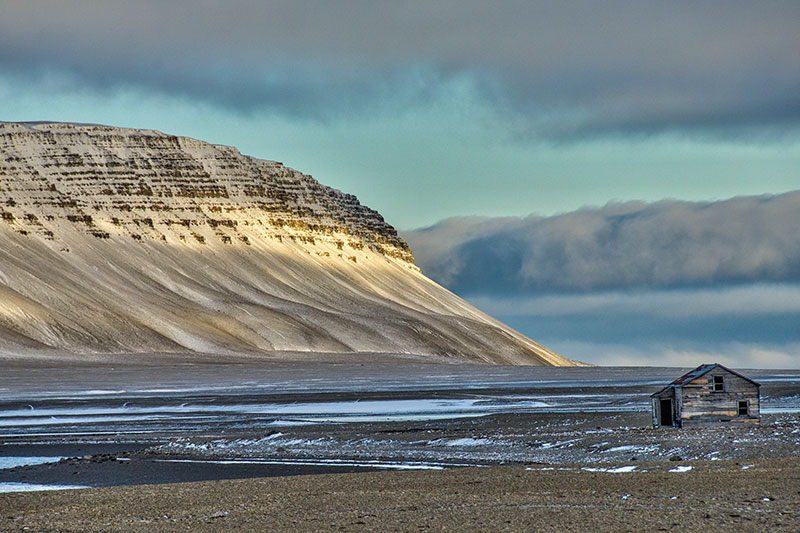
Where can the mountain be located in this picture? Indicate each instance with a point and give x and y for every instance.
(122, 241)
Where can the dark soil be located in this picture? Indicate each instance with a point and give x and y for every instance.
(719, 495)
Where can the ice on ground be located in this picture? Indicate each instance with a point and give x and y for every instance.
(324, 462)
(560, 444)
(631, 448)
(625, 448)
(31, 487)
(780, 410)
(682, 468)
(296, 412)
(14, 462)
(614, 470)
(468, 441)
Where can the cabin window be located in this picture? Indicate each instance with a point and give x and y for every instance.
(719, 383)
(743, 408)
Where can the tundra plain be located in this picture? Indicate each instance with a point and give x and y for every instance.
(359, 445)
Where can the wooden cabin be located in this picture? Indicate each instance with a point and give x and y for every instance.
(708, 395)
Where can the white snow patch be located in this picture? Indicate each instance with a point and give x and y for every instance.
(31, 487)
(13, 462)
(625, 448)
(468, 441)
(558, 444)
(631, 448)
(321, 462)
(615, 470)
(682, 468)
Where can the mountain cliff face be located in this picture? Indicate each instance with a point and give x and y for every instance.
(119, 241)
(112, 182)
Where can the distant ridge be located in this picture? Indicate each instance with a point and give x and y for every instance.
(124, 241)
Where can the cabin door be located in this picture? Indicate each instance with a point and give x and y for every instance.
(666, 412)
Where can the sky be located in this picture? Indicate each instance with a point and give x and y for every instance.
(574, 159)
(671, 283)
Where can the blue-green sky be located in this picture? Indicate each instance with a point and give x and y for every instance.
(427, 110)
(438, 109)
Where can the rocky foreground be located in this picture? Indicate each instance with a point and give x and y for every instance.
(550, 449)
(758, 496)
(122, 242)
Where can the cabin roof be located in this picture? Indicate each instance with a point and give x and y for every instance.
(692, 374)
(700, 371)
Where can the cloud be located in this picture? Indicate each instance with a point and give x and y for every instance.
(733, 355)
(688, 317)
(749, 326)
(555, 70)
(668, 244)
(688, 304)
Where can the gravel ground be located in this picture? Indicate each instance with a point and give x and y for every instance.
(500, 439)
(543, 438)
(580, 476)
(762, 495)
(556, 468)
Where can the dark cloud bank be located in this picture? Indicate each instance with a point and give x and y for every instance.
(556, 70)
(668, 244)
(667, 283)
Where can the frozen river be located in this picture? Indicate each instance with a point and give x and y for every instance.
(158, 403)
(130, 425)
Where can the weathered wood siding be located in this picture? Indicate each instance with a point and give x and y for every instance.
(700, 405)
(666, 394)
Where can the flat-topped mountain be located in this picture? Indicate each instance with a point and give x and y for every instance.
(147, 185)
(121, 241)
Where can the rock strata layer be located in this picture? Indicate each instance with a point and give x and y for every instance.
(121, 241)
(146, 185)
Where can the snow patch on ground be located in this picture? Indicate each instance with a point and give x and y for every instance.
(614, 470)
(632, 448)
(323, 462)
(31, 487)
(468, 441)
(14, 462)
